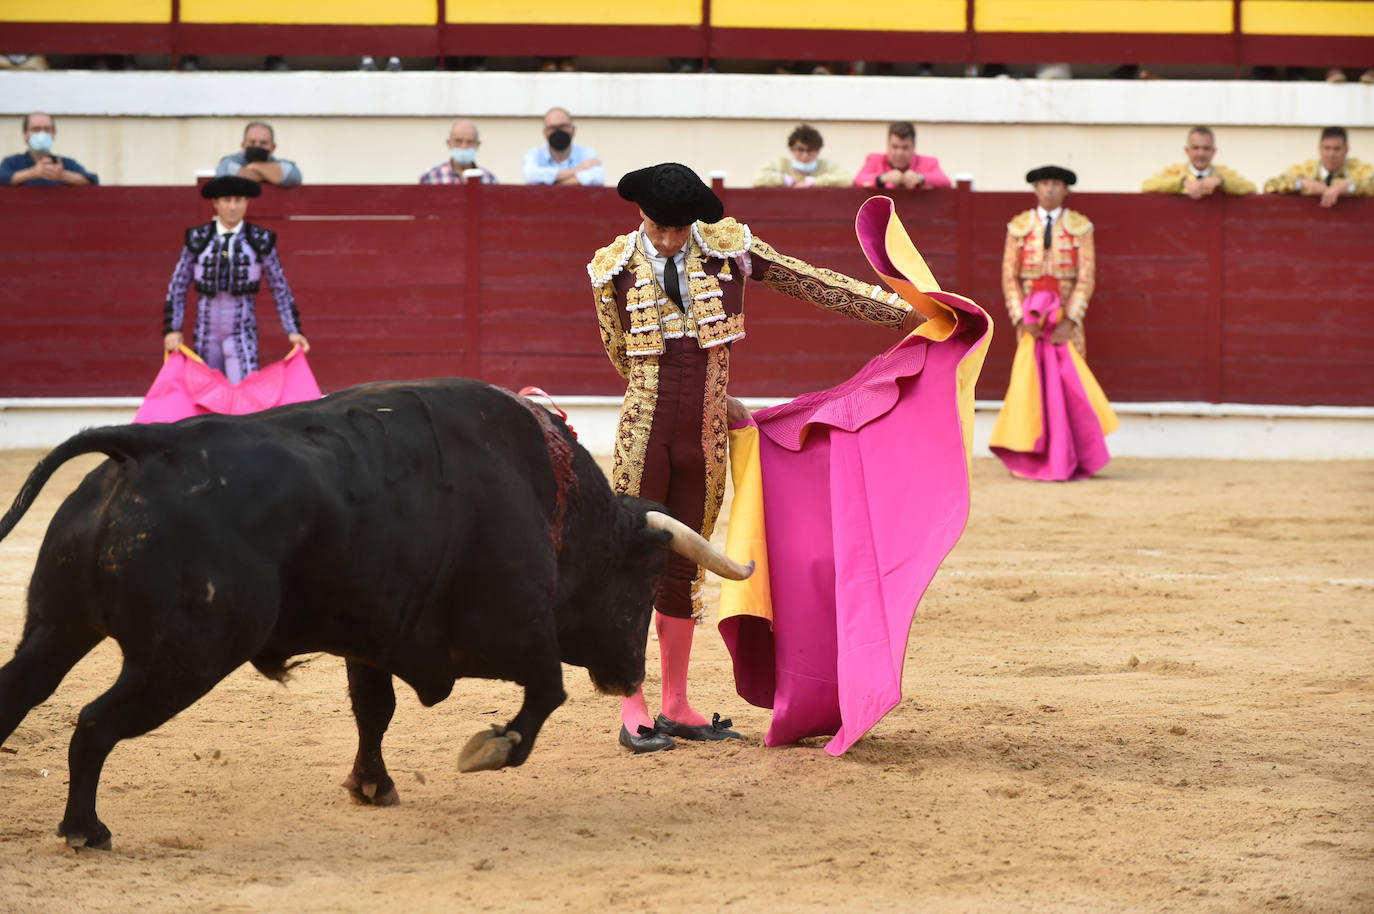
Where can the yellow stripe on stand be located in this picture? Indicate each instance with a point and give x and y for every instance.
(878, 15)
(126, 11)
(1195, 17)
(547, 12)
(1308, 17)
(310, 12)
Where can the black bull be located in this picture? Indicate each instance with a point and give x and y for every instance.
(425, 530)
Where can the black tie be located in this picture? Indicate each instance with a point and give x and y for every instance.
(1329, 176)
(224, 248)
(670, 286)
(1049, 223)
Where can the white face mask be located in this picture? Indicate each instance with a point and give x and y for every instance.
(806, 167)
(464, 156)
(41, 142)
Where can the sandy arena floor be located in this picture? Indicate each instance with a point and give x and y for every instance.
(1149, 692)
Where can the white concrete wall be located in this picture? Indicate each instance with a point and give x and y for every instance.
(343, 128)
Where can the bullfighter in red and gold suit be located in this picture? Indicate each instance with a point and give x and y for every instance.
(670, 301)
(1050, 248)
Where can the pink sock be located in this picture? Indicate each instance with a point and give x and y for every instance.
(675, 652)
(634, 713)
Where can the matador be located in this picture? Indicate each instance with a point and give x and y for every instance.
(670, 302)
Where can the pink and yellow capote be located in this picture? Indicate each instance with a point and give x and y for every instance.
(186, 386)
(848, 500)
(1055, 417)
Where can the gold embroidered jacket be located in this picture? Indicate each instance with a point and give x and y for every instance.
(780, 173)
(635, 319)
(1361, 173)
(1170, 180)
(1070, 260)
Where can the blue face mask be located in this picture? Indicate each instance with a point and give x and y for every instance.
(464, 156)
(806, 167)
(41, 142)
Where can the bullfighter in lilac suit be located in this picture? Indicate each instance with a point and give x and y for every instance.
(227, 259)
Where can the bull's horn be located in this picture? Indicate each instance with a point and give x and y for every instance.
(691, 544)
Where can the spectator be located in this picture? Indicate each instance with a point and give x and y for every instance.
(560, 161)
(226, 333)
(1050, 249)
(463, 143)
(1332, 177)
(368, 62)
(255, 161)
(38, 165)
(804, 167)
(23, 62)
(669, 300)
(900, 166)
(1198, 177)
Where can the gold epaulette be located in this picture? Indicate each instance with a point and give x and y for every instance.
(1306, 169)
(1021, 226)
(1075, 223)
(1177, 168)
(726, 238)
(610, 260)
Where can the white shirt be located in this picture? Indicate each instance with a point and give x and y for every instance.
(660, 261)
(1199, 175)
(1323, 171)
(1049, 218)
(221, 230)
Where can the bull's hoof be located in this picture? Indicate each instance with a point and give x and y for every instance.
(98, 840)
(488, 750)
(365, 793)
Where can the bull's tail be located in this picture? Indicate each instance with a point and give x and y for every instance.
(120, 442)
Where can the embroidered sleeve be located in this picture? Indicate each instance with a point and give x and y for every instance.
(1233, 183)
(1362, 174)
(281, 293)
(1011, 277)
(829, 174)
(174, 311)
(826, 288)
(770, 175)
(1287, 181)
(1087, 277)
(612, 333)
(1168, 181)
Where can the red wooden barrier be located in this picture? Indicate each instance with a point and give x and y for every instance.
(1252, 300)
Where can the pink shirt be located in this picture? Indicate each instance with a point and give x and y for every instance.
(876, 163)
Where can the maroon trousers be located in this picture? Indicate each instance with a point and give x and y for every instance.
(675, 461)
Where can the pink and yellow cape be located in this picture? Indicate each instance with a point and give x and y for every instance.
(1055, 417)
(186, 386)
(849, 499)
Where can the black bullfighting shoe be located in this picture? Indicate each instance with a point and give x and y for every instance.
(648, 740)
(717, 729)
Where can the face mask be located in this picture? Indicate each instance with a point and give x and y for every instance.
(41, 142)
(255, 154)
(463, 156)
(560, 140)
(806, 167)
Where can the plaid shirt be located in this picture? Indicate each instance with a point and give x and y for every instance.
(446, 174)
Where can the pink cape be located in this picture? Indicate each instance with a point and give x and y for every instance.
(186, 386)
(1055, 418)
(865, 489)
